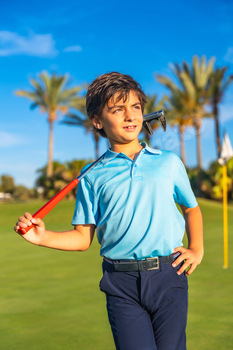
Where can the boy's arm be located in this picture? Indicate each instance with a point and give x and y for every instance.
(194, 228)
(79, 238)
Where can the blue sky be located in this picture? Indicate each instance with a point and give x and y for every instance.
(86, 39)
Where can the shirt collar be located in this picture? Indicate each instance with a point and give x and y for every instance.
(149, 149)
(109, 155)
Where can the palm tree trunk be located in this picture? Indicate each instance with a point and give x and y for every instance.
(197, 125)
(216, 117)
(182, 150)
(50, 158)
(198, 129)
(148, 137)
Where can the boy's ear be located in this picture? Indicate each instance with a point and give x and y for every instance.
(97, 122)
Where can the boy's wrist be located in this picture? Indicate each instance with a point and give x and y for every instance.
(198, 250)
(44, 239)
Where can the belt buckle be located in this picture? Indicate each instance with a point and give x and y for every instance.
(157, 263)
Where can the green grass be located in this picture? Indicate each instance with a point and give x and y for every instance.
(51, 300)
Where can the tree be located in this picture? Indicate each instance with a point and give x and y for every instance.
(176, 109)
(152, 106)
(216, 87)
(23, 193)
(62, 175)
(82, 120)
(52, 95)
(215, 184)
(193, 83)
(7, 184)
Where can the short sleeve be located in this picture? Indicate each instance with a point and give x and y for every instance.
(183, 193)
(86, 205)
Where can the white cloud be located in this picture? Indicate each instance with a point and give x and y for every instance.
(76, 48)
(229, 55)
(38, 45)
(7, 139)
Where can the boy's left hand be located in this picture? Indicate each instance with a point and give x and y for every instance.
(192, 258)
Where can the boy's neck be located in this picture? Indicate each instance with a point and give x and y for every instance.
(131, 149)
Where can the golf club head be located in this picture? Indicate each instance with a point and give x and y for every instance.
(148, 118)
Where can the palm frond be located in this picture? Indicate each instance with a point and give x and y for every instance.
(187, 70)
(175, 68)
(228, 82)
(28, 94)
(207, 115)
(34, 105)
(38, 88)
(209, 69)
(51, 95)
(74, 118)
(196, 71)
(167, 82)
(188, 85)
(45, 79)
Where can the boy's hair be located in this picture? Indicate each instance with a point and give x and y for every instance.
(107, 86)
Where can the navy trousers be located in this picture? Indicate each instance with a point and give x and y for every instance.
(147, 310)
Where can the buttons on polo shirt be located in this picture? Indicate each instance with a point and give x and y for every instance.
(135, 172)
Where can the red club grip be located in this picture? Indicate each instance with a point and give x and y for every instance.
(22, 230)
(50, 205)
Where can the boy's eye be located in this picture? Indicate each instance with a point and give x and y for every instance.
(137, 107)
(117, 110)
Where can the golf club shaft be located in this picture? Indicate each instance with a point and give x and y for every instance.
(50, 205)
(58, 197)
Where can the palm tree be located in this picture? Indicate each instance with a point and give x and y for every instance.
(216, 88)
(52, 95)
(151, 106)
(82, 120)
(194, 85)
(176, 109)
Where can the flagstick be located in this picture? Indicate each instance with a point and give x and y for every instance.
(225, 218)
(225, 156)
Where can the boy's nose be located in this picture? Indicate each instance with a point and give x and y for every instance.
(129, 116)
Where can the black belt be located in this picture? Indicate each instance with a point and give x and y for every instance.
(141, 265)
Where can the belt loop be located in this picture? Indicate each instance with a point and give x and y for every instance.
(176, 255)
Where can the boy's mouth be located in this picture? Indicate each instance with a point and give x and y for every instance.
(130, 127)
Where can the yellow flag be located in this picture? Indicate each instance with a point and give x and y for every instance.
(226, 154)
(226, 151)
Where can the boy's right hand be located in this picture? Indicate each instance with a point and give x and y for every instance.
(36, 233)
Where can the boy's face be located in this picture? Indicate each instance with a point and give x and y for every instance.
(121, 121)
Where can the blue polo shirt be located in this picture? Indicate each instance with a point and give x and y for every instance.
(133, 203)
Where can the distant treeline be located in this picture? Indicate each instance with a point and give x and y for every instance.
(205, 183)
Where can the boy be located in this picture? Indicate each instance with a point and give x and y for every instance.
(130, 198)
